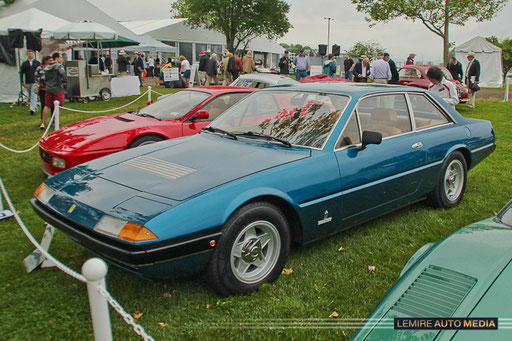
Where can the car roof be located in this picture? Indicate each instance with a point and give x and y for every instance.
(270, 78)
(351, 89)
(221, 89)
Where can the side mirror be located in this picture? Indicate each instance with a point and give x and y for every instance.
(201, 115)
(370, 137)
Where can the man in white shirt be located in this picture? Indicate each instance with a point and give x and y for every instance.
(442, 87)
(380, 71)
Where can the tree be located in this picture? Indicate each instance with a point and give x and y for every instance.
(506, 51)
(368, 48)
(436, 15)
(239, 20)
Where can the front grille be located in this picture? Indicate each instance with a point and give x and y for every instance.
(437, 292)
(44, 155)
(159, 167)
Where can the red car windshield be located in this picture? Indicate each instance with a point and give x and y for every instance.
(175, 106)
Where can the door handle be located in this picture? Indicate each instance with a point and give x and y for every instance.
(417, 145)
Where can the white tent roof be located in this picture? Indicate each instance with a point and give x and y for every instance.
(32, 19)
(177, 30)
(70, 10)
(490, 58)
(477, 44)
(150, 44)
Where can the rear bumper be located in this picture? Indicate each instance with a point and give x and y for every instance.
(153, 260)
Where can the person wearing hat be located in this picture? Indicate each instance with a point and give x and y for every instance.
(302, 65)
(380, 71)
(203, 62)
(472, 78)
(122, 62)
(285, 63)
(410, 59)
(392, 66)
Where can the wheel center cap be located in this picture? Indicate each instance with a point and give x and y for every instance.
(251, 250)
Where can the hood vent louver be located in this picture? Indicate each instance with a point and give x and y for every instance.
(158, 167)
(123, 119)
(437, 292)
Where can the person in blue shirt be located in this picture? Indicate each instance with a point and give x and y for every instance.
(330, 66)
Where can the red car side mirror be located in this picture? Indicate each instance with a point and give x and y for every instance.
(201, 115)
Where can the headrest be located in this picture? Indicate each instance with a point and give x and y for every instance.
(384, 114)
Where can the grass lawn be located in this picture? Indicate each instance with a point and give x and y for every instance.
(49, 305)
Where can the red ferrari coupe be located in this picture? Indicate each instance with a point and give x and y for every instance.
(416, 75)
(183, 113)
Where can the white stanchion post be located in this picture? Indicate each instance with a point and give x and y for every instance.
(57, 115)
(149, 95)
(95, 270)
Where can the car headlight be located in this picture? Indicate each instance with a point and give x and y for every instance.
(44, 193)
(124, 230)
(58, 162)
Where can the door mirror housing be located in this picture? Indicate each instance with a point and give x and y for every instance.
(370, 137)
(201, 115)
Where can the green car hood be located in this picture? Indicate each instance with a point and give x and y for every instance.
(450, 280)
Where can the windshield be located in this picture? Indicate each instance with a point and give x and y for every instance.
(175, 106)
(505, 214)
(300, 118)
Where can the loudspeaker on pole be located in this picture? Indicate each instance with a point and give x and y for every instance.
(322, 49)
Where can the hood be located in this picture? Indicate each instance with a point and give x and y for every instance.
(449, 281)
(181, 168)
(52, 66)
(98, 133)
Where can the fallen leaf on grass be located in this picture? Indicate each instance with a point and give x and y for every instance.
(343, 332)
(495, 213)
(287, 271)
(334, 315)
(207, 306)
(137, 315)
(161, 324)
(341, 249)
(167, 295)
(242, 325)
(371, 268)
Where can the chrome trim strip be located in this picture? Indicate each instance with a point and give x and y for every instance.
(354, 189)
(483, 147)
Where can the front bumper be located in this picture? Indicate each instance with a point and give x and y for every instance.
(151, 260)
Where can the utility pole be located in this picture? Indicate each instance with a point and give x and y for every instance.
(328, 32)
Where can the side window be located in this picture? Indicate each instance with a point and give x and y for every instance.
(426, 114)
(350, 133)
(221, 103)
(409, 72)
(386, 114)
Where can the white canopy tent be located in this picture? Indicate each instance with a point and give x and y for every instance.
(490, 58)
(31, 19)
(151, 45)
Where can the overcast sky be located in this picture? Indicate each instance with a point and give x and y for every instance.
(398, 37)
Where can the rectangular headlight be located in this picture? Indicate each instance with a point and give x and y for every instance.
(44, 193)
(58, 162)
(124, 230)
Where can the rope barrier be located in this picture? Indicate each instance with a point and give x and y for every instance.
(37, 143)
(108, 110)
(48, 256)
(119, 309)
(158, 93)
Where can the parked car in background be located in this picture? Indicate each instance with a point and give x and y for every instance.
(416, 75)
(262, 80)
(179, 114)
(285, 164)
(468, 274)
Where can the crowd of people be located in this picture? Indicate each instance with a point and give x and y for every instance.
(46, 80)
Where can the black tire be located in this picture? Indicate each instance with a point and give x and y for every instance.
(263, 263)
(105, 94)
(144, 140)
(451, 184)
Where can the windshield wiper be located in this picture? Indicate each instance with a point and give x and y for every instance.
(220, 131)
(147, 115)
(265, 136)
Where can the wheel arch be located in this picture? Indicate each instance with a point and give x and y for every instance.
(464, 150)
(146, 135)
(291, 214)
